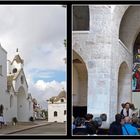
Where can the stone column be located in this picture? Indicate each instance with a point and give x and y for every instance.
(98, 87)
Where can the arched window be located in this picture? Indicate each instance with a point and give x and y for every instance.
(62, 100)
(55, 113)
(11, 101)
(80, 18)
(65, 112)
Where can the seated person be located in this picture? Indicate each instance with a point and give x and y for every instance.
(135, 122)
(80, 128)
(90, 124)
(116, 126)
(126, 111)
(128, 129)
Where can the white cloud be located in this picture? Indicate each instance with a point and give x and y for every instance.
(50, 86)
(38, 32)
(42, 90)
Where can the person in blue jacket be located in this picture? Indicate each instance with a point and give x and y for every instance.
(128, 129)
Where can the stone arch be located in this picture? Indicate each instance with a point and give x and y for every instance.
(129, 34)
(129, 26)
(21, 104)
(81, 18)
(124, 85)
(118, 12)
(80, 82)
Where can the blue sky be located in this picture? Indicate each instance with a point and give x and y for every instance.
(38, 32)
(48, 76)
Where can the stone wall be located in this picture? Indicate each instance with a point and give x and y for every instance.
(94, 46)
(107, 51)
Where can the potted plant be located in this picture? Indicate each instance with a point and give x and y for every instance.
(14, 120)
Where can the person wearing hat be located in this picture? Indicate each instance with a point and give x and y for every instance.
(127, 111)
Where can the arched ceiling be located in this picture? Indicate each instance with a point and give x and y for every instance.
(130, 26)
(79, 65)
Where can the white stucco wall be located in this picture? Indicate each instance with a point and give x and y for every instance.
(17, 84)
(17, 65)
(3, 80)
(3, 77)
(60, 112)
(11, 111)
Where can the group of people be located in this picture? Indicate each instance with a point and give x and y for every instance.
(84, 125)
(126, 123)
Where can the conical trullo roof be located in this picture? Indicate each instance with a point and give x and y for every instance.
(62, 94)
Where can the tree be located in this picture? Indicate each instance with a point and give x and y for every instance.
(45, 112)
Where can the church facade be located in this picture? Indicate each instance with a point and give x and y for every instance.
(14, 96)
(106, 48)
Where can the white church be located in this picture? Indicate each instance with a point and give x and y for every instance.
(14, 96)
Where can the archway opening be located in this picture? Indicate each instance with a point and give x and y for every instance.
(129, 26)
(21, 104)
(124, 86)
(79, 93)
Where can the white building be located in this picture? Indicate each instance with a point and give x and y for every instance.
(57, 108)
(14, 96)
